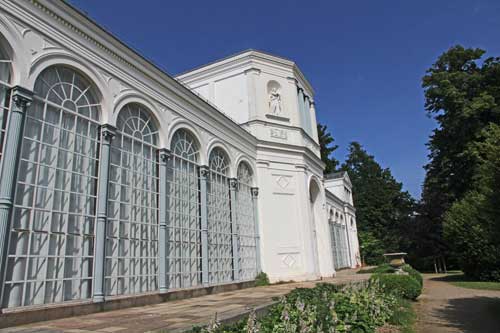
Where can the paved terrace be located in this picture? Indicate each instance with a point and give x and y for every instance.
(181, 315)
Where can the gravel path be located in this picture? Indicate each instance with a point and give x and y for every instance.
(444, 308)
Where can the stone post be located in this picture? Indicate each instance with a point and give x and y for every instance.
(21, 100)
(233, 184)
(107, 134)
(255, 195)
(164, 155)
(204, 170)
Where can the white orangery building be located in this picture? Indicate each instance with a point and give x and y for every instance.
(117, 179)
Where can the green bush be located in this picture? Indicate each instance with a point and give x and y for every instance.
(261, 280)
(383, 268)
(359, 308)
(414, 274)
(405, 286)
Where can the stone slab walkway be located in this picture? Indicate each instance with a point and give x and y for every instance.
(178, 316)
(444, 308)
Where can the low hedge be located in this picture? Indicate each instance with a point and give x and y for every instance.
(405, 286)
(414, 273)
(384, 268)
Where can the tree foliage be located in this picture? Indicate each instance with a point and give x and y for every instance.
(383, 209)
(462, 92)
(327, 148)
(472, 225)
(462, 96)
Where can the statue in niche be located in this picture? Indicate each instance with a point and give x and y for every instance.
(275, 102)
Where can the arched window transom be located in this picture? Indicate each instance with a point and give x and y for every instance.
(219, 162)
(136, 122)
(184, 145)
(64, 87)
(245, 174)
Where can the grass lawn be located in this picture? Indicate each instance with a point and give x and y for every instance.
(460, 280)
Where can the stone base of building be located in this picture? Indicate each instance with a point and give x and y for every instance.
(44, 312)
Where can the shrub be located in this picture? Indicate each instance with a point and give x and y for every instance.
(329, 308)
(405, 286)
(356, 308)
(383, 268)
(261, 279)
(414, 274)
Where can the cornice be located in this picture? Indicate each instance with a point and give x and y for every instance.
(290, 148)
(71, 21)
(246, 58)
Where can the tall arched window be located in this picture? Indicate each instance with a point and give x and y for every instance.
(184, 229)
(52, 238)
(5, 73)
(220, 253)
(245, 220)
(132, 230)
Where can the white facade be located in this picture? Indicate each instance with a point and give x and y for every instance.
(118, 179)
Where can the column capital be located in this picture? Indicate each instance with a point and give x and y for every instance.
(255, 192)
(108, 132)
(233, 183)
(204, 169)
(165, 154)
(22, 97)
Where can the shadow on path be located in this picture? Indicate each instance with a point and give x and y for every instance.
(451, 278)
(445, 308)
(475, 314)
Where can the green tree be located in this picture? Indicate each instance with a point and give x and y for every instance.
(472, 225)
(383, 209)
(326, 149)
(462, 93)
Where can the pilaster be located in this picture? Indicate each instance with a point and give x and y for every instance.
(204, 170)
(233, 184)
(346, 219)
(164, 155)
(21, 100)
(255, 195)
(314, 122)
(107, 135)
(252, 75)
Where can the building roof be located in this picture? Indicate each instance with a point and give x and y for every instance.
(336, 175)
(246, 55)
(339, 175)
(234, 55)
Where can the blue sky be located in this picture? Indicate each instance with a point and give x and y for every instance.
(365, 59)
